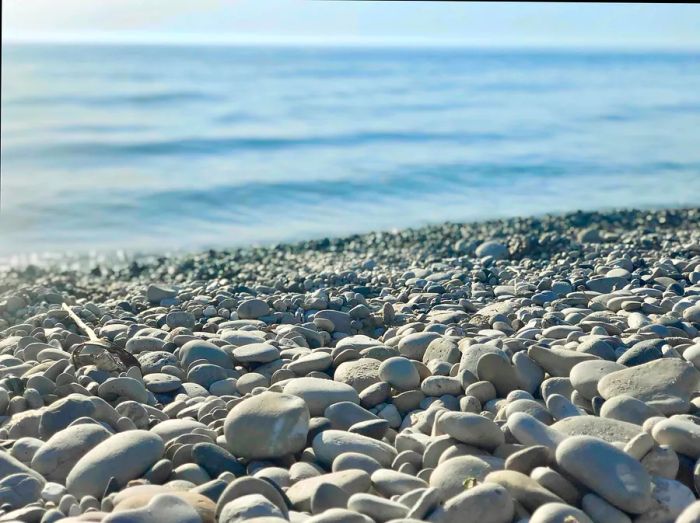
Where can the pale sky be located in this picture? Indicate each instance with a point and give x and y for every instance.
(477, 23)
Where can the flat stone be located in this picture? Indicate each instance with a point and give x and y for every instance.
(664, 384)
(606, 429)
(471, 429)
(256, 353)
(320, 393)
(330, 444)
(557, 513)
(159, 382)
(498, 370)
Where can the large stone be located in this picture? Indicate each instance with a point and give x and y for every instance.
(359, 374)
(449, 477)
(268, 425)
(682, 436)
(487, 503)
(320, 393)
(607, 471)
(665, 384)
(58, 455)
(609, 430)
(253, 309)
(400, 373)
(330, 444)
(203, 350)
(124, 456)
(471, 429)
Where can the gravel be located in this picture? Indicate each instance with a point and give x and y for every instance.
(540, 369)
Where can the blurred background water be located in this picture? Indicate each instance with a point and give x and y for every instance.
(172, 147)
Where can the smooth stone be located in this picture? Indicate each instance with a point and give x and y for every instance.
(252, 309)
(471, 429)
(61, 451)
(339, 515)
(163, 508)
(559, 513)
(523, 488)
(672, 495)
(413, 346)
(496, 369)
(442, 349)
(449, 476)
(627, 408)
(355, 460)
(19, 490)
(62, 413)
(124, 456)
(155, 293)
(330, 444)
(472, 353)
(328, 496)
(256, 353)
(597, 347)
(400, 373)
(642, 352)
(249, 485)
(319, 393)
(665, 384)
(585, 376)
(159, 382)
(391, 482)
(558, 362)
(175, 319)
(493, 249)
(203, 350)
(124, 387)
(359, 374)
(530, 431)
(10, 465)
(486, 503)
(351, 481)
(691, 514)
(316, 361)
(607, 471)
(600, 511)
(556, 483)
(606, 284)
(376, 507)
(249, 507)
(155, 361)
(609, 430)
(172, 428)
(345, 414)
(681, 436)
(268, 425)
(216, 460)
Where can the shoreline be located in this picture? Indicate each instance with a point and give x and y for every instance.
(538, 367)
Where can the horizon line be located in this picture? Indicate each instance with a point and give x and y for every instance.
(193, 39)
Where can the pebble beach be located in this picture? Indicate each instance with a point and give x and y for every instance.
(542, 370)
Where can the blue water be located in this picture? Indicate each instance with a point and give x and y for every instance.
(152, 148)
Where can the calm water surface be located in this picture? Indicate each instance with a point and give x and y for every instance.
(152, 148)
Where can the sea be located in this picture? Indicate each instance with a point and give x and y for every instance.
(165, 148)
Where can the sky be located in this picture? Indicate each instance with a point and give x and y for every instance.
(337, 21)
